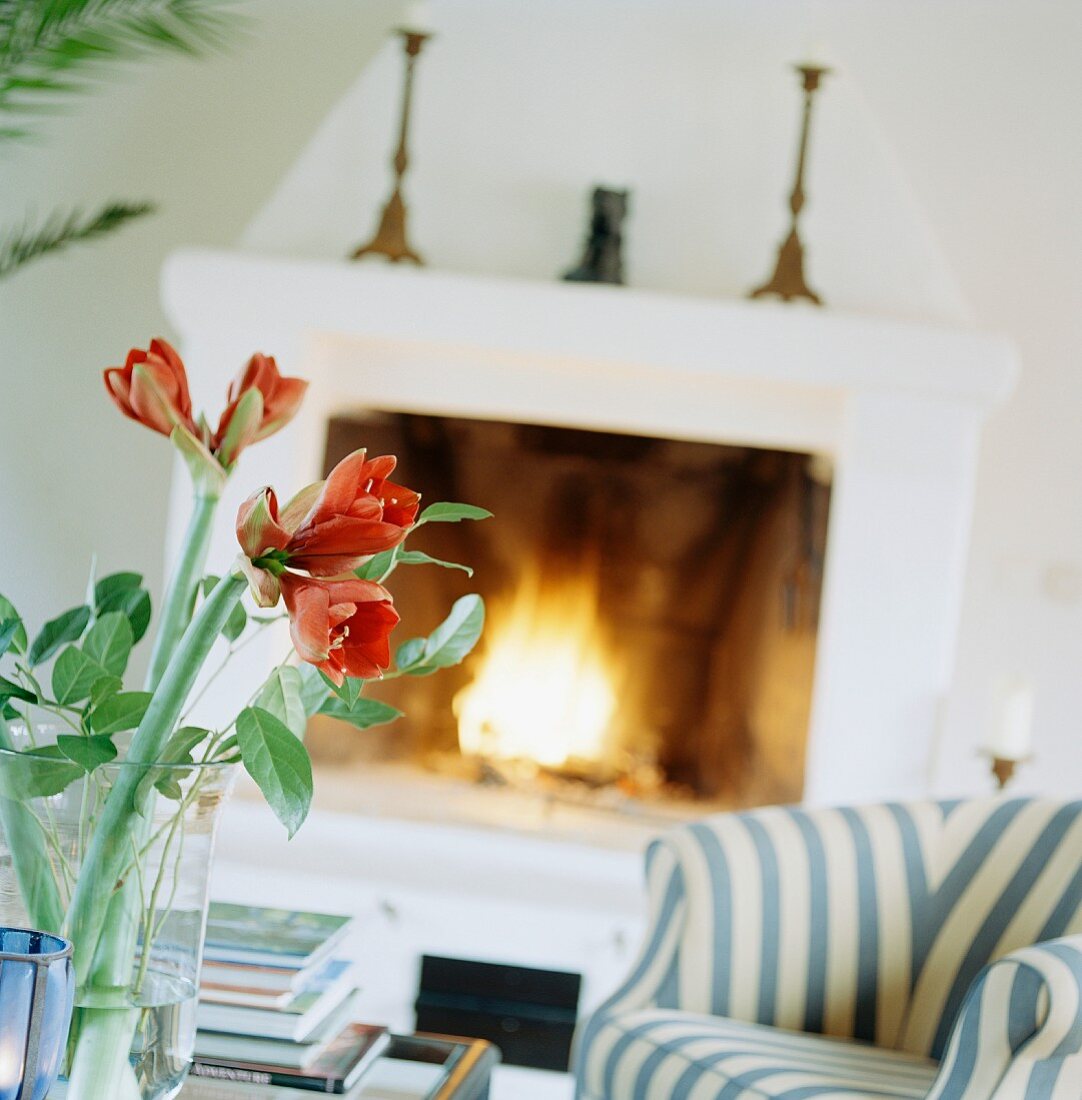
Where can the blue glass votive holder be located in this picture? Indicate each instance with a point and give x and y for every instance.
(37, 988)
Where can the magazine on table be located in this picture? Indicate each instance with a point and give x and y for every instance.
(335, 1070)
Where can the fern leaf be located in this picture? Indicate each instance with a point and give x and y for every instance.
(49, 48)
(59, 230)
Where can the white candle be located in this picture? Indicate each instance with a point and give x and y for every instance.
(1012, 729)
(417, 16)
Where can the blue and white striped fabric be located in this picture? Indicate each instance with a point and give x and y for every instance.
(875, 924)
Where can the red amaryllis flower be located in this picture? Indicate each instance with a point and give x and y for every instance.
(152, 388)
(260, 402)
(341, 627)
(356, 513)
(331, 527)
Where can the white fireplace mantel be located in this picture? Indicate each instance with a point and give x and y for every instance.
(897, 406)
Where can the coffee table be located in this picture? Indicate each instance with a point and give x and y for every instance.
(470, 1062)
(411, 1067)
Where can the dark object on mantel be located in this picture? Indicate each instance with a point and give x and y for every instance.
(788, 281)
(390, 238)
(602, 259)
(529, 1014)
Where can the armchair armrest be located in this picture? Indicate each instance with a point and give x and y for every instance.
(1019, 1032)
(647, 984)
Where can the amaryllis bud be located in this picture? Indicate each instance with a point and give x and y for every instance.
(152, 388)
(342, 627)
(241, 423)
(263, 541)
(247, 415)
(262, 583)
(258, 529)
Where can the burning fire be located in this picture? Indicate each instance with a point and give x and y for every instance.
(546, 690)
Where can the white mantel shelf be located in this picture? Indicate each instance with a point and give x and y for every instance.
(754, 340)
(897, 406)
(589, 331)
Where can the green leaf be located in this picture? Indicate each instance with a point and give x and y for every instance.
(74, 674)
(64, 628)
(88, 752)
(364, 714)
(281, 696)
(348, 691)
(109, 642)
(450, 642)
(418, 557)
(8, 629)
(314, 689)
(453, 639)
(7, 613)
(279, 764)
(40, 773)
(123, 711)
(375, 567)
(182, 742)
(9, 690)
(235, 624)
(238, 617)
(452, 513)
(109, 586)
(104, 689)
(176, 751)
(409, 653)
(135, 603)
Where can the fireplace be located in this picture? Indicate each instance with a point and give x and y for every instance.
(893, 408)
(653, 608)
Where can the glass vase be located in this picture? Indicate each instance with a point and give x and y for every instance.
(133, 1028)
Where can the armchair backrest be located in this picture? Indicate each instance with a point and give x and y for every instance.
(865, 922)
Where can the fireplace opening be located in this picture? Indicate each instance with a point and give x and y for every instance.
(652, 603)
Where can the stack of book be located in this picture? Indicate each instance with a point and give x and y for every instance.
(277, 1004)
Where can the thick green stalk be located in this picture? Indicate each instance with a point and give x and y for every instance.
(99, 1066)
(113, 960)
(33, 871)
(109, 848)
(183, 587)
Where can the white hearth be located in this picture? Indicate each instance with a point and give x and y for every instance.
(896, 407)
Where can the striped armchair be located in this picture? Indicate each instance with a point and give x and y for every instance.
(932, 949)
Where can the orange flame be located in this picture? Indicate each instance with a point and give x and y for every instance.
(546, 690)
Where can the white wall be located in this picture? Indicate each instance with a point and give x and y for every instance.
(944, 184)
(207, 140)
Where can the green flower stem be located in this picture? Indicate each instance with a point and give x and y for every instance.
(33, 870)
(108, 849)
(183, 587)
(100, 1066)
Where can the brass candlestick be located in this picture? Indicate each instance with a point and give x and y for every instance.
(1003, 769)
(390, 239)
(788, 281)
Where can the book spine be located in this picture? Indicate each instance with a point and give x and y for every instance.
(217, 1072)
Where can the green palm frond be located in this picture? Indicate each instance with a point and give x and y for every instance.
(59, 230)
(49, 49)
